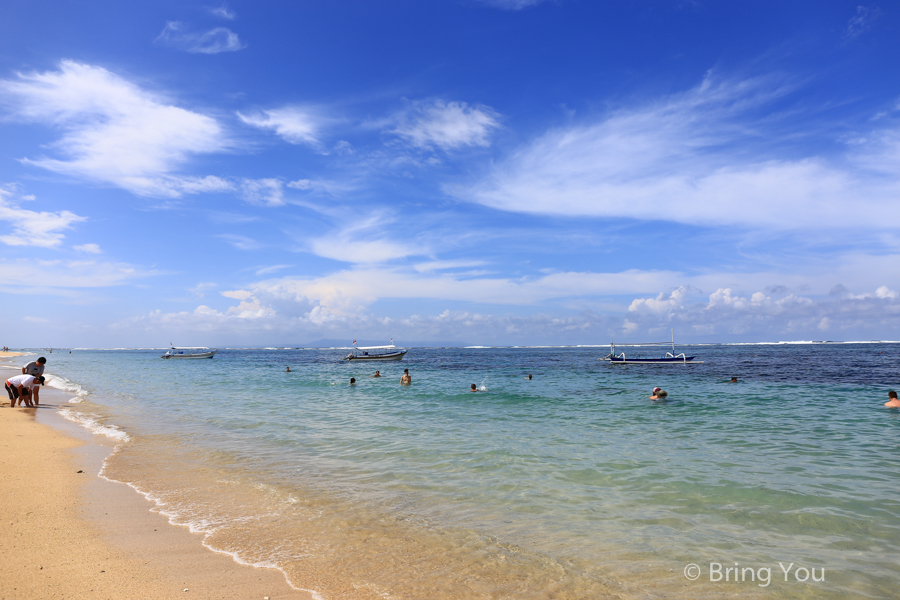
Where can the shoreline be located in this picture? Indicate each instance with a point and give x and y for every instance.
(74, 533)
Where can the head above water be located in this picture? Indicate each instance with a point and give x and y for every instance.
(352, 380)
(473, 387)
(892, 395)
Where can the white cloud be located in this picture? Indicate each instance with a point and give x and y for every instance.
(694, 158)
(862, 21)
(241, 242)
(446, 125)
(115, 132)
(365, 240)
(223, 12)
(89, 248)
(221, 39)
(66, 273)
(263, 192)
(31, 228)
(294, 124)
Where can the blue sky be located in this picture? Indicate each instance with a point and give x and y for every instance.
(478, 172)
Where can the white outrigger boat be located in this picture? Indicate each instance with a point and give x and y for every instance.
(671, 358)
(363, 352)
(174, 352)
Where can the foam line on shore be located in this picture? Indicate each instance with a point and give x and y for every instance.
(199, 527)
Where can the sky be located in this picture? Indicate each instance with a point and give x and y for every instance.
(472, 172)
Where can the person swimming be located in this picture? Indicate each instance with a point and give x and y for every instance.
(473, 388)
(353, 381)
(659, 394)
(892, 402)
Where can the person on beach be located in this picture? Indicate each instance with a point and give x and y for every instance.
(659, 394)
(405, 379)
(892, 402)
(35, 368)
(377, 374)
(474, 388)
(20, 387)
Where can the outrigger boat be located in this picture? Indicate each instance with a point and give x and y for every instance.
(363, 352)
(671, 358)
(174, 352)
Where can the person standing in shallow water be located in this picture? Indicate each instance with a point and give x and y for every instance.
(35, 368)
(405, 379)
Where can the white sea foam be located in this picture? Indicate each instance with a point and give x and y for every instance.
(61, 383)
(93, 424)
(205, 527)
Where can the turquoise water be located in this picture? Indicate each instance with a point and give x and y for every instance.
(570, 485)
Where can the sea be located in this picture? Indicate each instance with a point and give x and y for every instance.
(572, 484)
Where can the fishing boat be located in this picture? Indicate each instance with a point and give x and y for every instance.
(389, 352)
(174, 352)
(671, 358)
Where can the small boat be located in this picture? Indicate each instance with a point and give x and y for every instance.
(388, 352)
(671, 358)
(189, 353)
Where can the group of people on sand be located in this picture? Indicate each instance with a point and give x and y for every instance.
(25, 389)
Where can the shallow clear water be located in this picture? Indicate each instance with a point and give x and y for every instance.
(570, 485)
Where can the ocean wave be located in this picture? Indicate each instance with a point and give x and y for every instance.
(61, 383)
(94, 425)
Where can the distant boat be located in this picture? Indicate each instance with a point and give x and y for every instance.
(671, 358)
(376, 352)
(189, 353)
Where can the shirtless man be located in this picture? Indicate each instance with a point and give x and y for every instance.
(405, 379)
(474, 388)
(377, 374)
(892, 402)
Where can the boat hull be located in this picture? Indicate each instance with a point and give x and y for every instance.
(390, 356)
(197, 355)
(653, 361)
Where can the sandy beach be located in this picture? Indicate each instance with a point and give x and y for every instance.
(72, 534)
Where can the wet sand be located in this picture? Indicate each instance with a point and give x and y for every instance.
(69, 533)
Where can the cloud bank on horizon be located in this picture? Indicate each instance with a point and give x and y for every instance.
(252, 186)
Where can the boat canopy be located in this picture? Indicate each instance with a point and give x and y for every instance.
(373, 347)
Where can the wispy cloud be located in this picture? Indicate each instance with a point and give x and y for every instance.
(512, 4)
(88, 248)
(446, 125)
(699, 158)
(241, 242)
(223, 12)
(862, 21)
(67, 273)
(115, 132)
(263, 192)
(32, 228)
(364, 241)
(220, 39)
(294, 124)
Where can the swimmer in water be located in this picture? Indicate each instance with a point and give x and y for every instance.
(659, 394)
(406, 378)
(353, 381)
(733, 380)
(377, 374)
(892, 402)
(288, 370)
(529, 377)
(473, 388)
